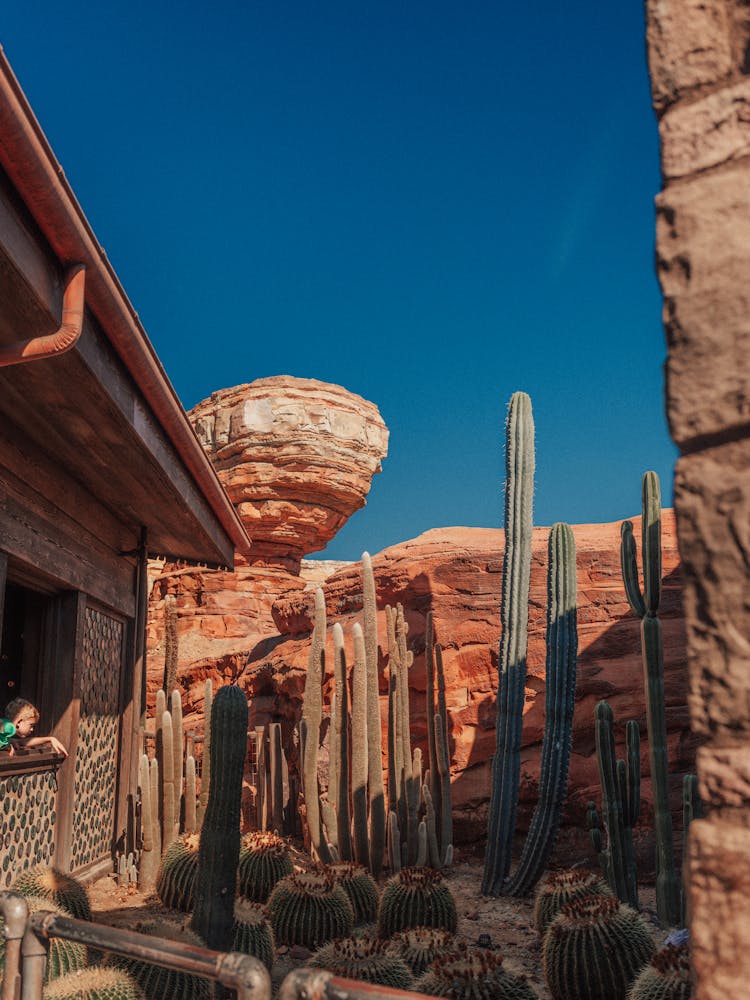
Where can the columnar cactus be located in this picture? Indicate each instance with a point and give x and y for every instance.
(263, 862)
(562, 888)
(360, 760)
(175, 883)
(692, 808)
(360, 887)
(474, 975)
(416, 897)
(340, 746)
(94, 983)
(218, 854)
(594, 949)
(171, 644)
(562, 655)
(49, 882)
(309, 909)
(165, 756)
(364, 959)
(159, 983)
(252, 934)
(645, 605)
(63, 956)
(506, 764)
(150, 854)
(206, 759)
(376, 795)
(312, 715)
(420, 946)
(666, 977)
(620, 802)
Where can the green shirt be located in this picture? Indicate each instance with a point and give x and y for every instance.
(7, 729)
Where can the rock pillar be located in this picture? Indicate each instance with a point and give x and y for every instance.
(699, 60)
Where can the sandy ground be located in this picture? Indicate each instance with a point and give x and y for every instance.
(509, 922)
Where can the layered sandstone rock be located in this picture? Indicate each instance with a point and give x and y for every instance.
(296, 457)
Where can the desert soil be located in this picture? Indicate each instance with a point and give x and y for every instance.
(507, 921)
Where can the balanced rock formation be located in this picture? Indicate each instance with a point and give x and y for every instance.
(296, 457)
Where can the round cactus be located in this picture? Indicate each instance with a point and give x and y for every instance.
(562, 888)
(264, 861)
(416, 897)
(364, 959)
(474, 975)
(667, 977)
(420, 946)
(94, 984)
(156, 982)
(594, 949)
(63, 956)
(360, 887)
(50, 883)
(175, 882)
(309, 909)
(252, 934)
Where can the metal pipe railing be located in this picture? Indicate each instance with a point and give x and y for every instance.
(317, 984)
(27, 943)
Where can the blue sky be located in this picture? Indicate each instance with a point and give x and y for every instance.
(431, 204)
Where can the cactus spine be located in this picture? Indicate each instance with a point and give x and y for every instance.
(562, 652)
(519, 489)
(340, 746)
(374, 722)
(365, 960)
(219, 850)
(645, 605)
(416, 897)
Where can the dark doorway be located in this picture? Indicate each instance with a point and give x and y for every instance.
(25, 620)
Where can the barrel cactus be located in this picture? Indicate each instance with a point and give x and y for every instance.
(252, 933)
(666, 977)
(156, 982)
(309, 909)
(594, 949)
(474, 975)
(94, 984)
(50, 883)
(416, 897)
(364, 959)
(63, 956)
(562, 888)
(175, 882)
(360, 887)
(264, 861)
(420, 946)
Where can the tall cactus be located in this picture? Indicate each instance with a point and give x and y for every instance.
(150, 853)
(376, 793)
(208, 698)
(340, 745)
(312, 715)
(562, 647)
(219, 851)
(506, 765)
(645, 604)
(360, 758)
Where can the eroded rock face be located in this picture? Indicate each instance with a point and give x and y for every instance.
(296, 457)
(456, 573)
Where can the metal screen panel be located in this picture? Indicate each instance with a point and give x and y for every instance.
(27, 822)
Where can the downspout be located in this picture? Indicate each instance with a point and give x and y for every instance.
(54, 344)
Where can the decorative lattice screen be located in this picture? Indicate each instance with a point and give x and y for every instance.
(96, 751)
(27, 822)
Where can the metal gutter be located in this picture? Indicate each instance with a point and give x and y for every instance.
(27, 158)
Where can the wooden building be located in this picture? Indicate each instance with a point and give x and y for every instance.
(99, 468)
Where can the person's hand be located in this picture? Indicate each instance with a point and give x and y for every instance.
(57, 746)
(11, 750)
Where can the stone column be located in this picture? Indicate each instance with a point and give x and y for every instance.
(699, 62)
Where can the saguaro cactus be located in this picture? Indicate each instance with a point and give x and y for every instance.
(645, 604)
(506, 765)
(376, 793)
(340, 746)
(312, 714)
(359, 749)
(219, 850)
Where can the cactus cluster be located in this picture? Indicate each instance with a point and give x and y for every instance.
(364, 959)
(156, 982)
(360, 887)
(309, 909)
(175, 882)
(562, 888)
(416, 897)
(666, 977)
(252, 934)
(94, 984)
(594, 949)
(48, 882)
(474, 975)
(263, 862)
(63, 956)
(420, 946)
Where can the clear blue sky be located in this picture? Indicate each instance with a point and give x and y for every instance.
(432, 204)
